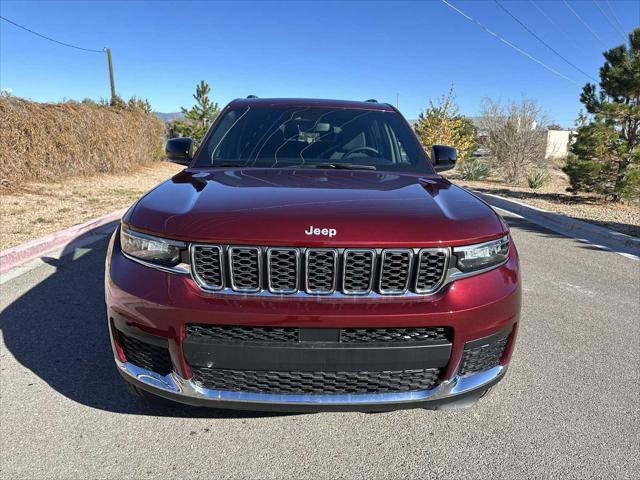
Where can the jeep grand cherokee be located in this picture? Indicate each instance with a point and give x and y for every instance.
(310, 257)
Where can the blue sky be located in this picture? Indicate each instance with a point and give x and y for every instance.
(351, 50)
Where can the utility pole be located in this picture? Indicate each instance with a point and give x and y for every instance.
(113, 85)
(397, 99)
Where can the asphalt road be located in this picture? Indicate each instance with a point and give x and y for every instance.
(569, 407)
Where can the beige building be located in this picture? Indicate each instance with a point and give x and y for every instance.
(558, 143)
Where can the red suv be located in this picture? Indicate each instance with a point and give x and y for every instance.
(310, 258)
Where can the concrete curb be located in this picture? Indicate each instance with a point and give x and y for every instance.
(571, 227)
(81, 234)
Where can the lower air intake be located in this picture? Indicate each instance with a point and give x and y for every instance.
(145, 355)
(280, 382)
(483, 357)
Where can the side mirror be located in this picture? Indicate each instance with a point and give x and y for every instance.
(179, 150)
(443, 157)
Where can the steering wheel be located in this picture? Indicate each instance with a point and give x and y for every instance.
(370, 151)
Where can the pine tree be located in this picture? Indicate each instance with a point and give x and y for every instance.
(198, 118)
(606, 154)
(442, 124)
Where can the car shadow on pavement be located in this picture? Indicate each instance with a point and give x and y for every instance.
(58, 330)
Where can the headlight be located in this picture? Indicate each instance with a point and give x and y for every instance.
(482, 255)
(160, 251)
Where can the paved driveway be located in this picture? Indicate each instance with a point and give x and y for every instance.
(568, 408)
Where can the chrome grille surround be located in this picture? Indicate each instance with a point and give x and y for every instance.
(321, 271)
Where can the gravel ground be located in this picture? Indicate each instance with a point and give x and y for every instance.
(624, 218)
(40, 208)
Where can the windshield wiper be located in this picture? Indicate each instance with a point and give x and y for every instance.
(344, 166)
(226, 164)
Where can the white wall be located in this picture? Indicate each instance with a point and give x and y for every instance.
(557, 143)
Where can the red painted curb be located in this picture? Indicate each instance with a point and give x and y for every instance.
(15, 256)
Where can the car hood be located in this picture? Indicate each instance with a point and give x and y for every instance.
(286, 206)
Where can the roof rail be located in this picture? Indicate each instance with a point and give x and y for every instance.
(252, 96)
(371, 100)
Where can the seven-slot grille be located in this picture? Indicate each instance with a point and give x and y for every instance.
(319, 271)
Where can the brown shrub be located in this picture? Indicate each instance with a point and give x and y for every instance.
(46, 141)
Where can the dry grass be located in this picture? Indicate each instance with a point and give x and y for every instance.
(42, 142)
(40, 208)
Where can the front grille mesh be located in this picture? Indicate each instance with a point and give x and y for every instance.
(145, 355)
(281, 382)
(410, 334)
(482, 358)
(358, 271)
(208, 265)
(283, 270)
(431, 265)
(234, 333)
(242, 333)
(245, 268)
(319, 271)
(396, 268)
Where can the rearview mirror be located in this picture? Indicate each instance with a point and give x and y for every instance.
(179, 150)
(443, 157)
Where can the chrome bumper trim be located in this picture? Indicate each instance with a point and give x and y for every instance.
(175, 384)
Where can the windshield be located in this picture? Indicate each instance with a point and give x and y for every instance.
(313, 137)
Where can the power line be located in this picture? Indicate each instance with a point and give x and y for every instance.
(584, 23)
(615, 17)
(49, 38)
(542, 41)
(552, 22)
(615, 27)
(509, 44)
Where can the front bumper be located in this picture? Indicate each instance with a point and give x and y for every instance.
(176, 388)
(160, 305)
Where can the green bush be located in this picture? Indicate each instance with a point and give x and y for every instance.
(584, 174)
(536, 178)
(631, 186)
(473, 169)
(607, 145)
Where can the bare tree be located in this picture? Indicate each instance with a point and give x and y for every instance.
(515, 135)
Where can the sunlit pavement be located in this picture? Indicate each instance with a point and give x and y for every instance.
(569, 406)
